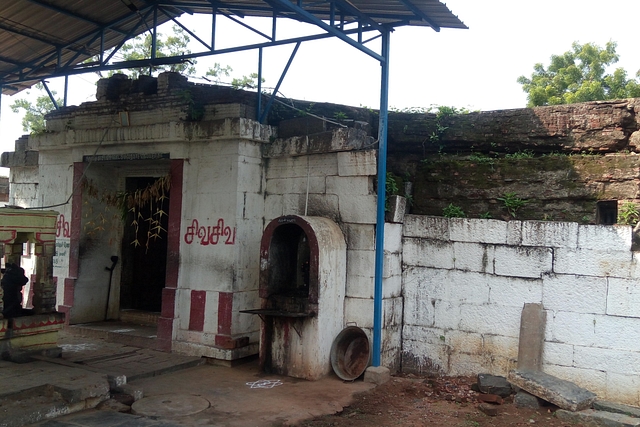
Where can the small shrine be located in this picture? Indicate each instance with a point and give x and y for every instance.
(28, 331)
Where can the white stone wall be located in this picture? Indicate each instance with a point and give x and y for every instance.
(232, 181)
(222, 185)
(340, 187)
(466, 281)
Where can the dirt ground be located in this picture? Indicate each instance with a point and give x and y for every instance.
(438, 402)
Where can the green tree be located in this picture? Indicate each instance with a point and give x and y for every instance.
(33, 120)
(579, 75)
(140, 48)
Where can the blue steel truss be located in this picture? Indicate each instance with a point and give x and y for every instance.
(332, 18)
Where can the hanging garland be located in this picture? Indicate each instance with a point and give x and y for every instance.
(147, 204)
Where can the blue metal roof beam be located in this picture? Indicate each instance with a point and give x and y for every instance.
(263, 115)
(356, 13)
(328, 28)
(12, 61)
(46, 38)
(185, 28)
(127, 37)
(41, 62)
(276, 7)
(51, 97)
(72, 60)
(85, 68)
(249, 27)
(216, 4)
(420, 14)
(72, 15)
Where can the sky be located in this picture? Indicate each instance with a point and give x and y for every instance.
(475, 68)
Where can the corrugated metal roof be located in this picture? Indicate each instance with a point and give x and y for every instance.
(39, 38)
(32, 32)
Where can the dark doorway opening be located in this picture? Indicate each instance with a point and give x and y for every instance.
(144, 249)
(607, 212)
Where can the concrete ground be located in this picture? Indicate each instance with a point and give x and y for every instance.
(178, 390)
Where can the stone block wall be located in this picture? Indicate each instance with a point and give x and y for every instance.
(339, 185)
(561, 159)
(466, 281)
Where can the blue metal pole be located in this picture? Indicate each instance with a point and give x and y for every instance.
(51, 97)
(265, 113)
(66, 90)
(259, 104)
(382, 179)
(214, 13)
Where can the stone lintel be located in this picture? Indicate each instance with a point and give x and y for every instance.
(561, 393)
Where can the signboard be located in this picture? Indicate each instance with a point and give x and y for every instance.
(124, 156)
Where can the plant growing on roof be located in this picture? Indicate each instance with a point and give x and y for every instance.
(453, 211)
(340, 115)
(512, 203)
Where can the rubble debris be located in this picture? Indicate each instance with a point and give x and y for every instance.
(528, 400)
(494, 384)
(488, 409)
(490, 398)
(564, 394)
(455, 389)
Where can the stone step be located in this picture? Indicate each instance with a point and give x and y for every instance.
(146, 318)
(602, 405)
(561, 393)
(39, 390)
(595, 418)
(131, 334)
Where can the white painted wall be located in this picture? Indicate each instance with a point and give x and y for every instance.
(466, 281)
(228, 178)
(339, 186)
(222, 185)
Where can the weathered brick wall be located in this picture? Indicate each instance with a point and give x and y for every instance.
(466, 281)
(582, 153)
(601, 126)
(557, 188)
(562, 159)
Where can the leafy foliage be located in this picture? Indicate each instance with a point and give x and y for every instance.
(628, 214)
(512, 203)
(33, 120)
(521, 154)
(391, 189)
(246, 82)
(218, 71)
(453, 211)
(579, 75)
(140, 48)
(442, 112)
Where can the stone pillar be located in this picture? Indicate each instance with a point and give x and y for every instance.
(44, 289)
